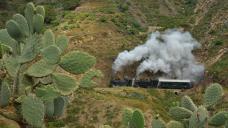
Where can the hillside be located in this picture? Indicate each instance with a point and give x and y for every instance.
(104, 28)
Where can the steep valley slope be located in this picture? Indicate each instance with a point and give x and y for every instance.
(104, 28)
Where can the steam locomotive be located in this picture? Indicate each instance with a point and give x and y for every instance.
(158, 83)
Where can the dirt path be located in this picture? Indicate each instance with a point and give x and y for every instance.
(216, 58)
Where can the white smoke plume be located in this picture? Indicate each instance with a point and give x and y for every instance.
(169, 52)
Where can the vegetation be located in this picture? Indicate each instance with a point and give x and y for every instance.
(31, 59)
(47, 75)
(188, 115)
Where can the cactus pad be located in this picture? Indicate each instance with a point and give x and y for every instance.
(77, 62)
(47, 93)
(49, 108)
(62, 42)
(218, 119)
(29, 13)
(187, 102)
(7, 40)
(12, 65)
(48, 38)
(64, 83)
(137, 120)
(14, 29)
(30, 50)
(4, 94)
(33, 111)
(40, 10)
(51, 54)
(59, 104)
(23, 24)
(213, 94)
(126, 117)
(198, 118)
(87, 80)
(38, 22)
(179, 113)
(40, 69)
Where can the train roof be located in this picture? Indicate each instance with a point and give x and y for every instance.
(173, 80)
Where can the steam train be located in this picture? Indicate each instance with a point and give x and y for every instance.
(158, 83)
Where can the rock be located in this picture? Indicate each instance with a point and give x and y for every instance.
(7, 123)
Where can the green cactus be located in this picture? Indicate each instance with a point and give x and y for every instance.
(175, 124)
(12, 65)
(51, 54)
(137, 120)
(62, 42)
(33, 111)
(158, 123)
(6, 40)
(179, 113)
(40, 10)
(187, 102)
(77, 62)
(31, 62)
(14, 29)
(40, 69)
(23, 24)
(59, 106)
(87, 80)
(30, 50)
(126, 117)
(47, 93)
(212, 95)
(4, 94)
(48, 38)
(64, 83)
(218, 119)
(199, 118)
(49, 108)
(29, 13)
(38, 22)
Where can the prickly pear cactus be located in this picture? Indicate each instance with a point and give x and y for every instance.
(65, 84)
(4, 94)
(33, 111)
(219, 119)
(126, 117)
(158, 123)
(59, 106)
(87, 80)
(212, 95)
(175, 124)
(179, 113)
(49, 108)
(187, 102)
(31, 63)
(137, 120)
(77, 62)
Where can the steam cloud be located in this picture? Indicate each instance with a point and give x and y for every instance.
(169, 52)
